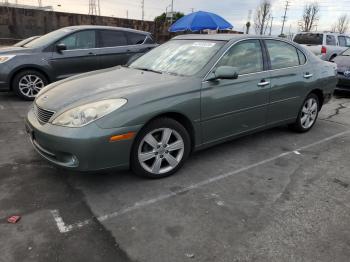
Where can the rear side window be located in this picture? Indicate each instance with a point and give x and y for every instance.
(135, 38)
(344, 41)
(246, 56)
(330, 40)
(302, 57)
(80, 40)
(309, 39)
(282, 54)
(112, 38)
(149, 40)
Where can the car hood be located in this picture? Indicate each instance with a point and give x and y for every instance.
(343, 63)
(117, 82)
(13, 50)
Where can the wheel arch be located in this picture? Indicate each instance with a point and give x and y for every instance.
(28, 67)
(183, 120)
(319, 94)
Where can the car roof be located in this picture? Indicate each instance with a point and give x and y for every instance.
(225, 37)
(84, 27)
(323, 32)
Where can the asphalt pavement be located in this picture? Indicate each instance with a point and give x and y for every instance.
(272, 196)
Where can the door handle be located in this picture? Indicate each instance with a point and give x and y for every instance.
(308, 75)
(263, 83)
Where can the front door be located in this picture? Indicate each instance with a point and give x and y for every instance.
(233, 106)
(79, 57)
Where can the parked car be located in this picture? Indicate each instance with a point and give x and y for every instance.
(26, 41)
(343, 63)
(66, 52)
(190, 93)
(325, 45)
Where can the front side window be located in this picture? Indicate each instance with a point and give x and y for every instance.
(181, 57)
(246, 56)
(80, 40)
(112, 38)
(282, 54)
(330, 40)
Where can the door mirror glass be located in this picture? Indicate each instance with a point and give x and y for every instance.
(61, 47)
(225, 72)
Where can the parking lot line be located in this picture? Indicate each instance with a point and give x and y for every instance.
(63, 228)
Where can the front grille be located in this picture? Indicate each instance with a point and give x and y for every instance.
(43, 115)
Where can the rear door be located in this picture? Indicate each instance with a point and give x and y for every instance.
(288, 78)
(233, 106)
(113, 48)
(79, 57)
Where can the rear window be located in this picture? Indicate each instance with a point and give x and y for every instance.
(309, 39)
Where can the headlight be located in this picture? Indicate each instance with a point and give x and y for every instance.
(5, 58)
(85, 114)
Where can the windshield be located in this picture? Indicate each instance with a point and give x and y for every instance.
(181, 57)
(309, 39)
(25, 41)
(48, 38)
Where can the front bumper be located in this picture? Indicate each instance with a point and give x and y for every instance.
(82, 149)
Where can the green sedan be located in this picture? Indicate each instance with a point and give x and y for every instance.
(190, 93)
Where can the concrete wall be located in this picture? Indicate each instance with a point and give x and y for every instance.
(19, 23)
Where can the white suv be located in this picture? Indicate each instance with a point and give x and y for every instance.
(325, 45)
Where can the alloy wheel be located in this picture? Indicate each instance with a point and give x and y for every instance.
(161, 150)
(30, 85)
(309, 113)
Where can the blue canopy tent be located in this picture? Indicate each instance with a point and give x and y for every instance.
(200, 20)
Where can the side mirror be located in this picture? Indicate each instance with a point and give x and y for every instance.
(61, 47)
(224, 72)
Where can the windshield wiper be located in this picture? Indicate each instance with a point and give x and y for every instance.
(148, 70)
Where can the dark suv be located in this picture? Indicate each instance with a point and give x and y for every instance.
(67, 52)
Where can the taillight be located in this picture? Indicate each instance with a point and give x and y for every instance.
(323, 50)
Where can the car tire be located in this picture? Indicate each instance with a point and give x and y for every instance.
(308, 114)
(160, 149)
(28, 83)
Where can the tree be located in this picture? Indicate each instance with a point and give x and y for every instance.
(342, 25)
(262, 17)
(310, 17)
(162, 18)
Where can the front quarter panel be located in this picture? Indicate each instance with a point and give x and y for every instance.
(181, 97)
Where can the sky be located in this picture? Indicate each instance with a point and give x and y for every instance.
(234, 11)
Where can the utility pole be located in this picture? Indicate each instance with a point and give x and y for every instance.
(143, 9)
(94, 9)
(40, 3)
(172, 12)
(248, 24)
(272, 17)
(285, 16)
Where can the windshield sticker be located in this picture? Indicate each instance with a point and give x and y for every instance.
(203, 44)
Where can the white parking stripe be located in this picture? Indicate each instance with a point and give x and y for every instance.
(63, 228)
